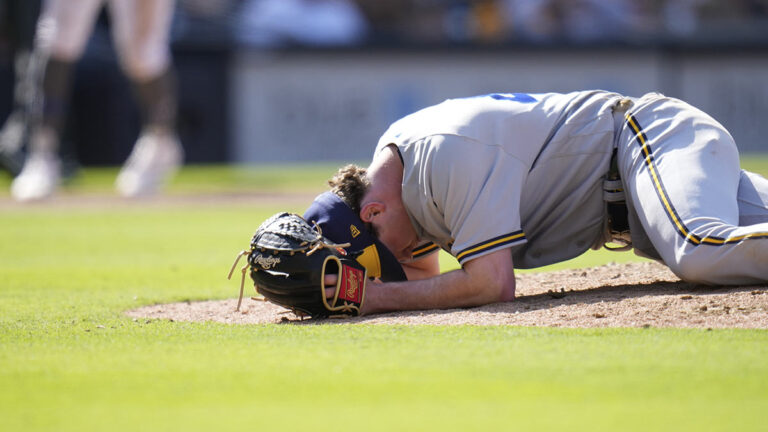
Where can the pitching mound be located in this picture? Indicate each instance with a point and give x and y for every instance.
(615, 295)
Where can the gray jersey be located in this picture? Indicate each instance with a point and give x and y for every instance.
(520, 171)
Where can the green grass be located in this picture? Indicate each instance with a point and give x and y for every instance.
(176, 376)
(755, 162)
(70, 360)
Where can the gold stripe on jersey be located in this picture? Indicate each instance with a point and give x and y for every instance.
(503, 240)
(674, 217)
(424, 249)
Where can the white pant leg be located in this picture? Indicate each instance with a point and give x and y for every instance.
(681, 170)
(141, 30)
(64, 27)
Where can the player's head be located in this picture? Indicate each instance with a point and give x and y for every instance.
(375, 197)
(350, 183)
(337, 213)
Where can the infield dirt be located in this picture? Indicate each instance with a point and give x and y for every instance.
(643, 294)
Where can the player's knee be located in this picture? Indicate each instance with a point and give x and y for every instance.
(693, 269)
(63, 45)
(144, 62)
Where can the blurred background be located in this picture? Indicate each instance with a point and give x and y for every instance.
(265, 81)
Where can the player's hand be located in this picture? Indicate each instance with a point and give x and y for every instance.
(330, 281)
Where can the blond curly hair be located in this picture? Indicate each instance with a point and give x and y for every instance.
(350, 183)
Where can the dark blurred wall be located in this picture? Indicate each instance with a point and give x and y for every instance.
(6, 86)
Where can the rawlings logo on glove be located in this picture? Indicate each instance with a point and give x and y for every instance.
(266, 263)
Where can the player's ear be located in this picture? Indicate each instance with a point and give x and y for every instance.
(371, 210)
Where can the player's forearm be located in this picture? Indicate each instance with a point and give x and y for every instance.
(448, 290)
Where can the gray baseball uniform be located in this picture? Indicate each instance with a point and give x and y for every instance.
(526, 172)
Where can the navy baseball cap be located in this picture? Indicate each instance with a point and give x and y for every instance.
(341, 225)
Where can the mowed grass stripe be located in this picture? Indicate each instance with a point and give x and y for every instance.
(166, 375)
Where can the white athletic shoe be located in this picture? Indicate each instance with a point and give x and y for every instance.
(156, 156)
(39, 177)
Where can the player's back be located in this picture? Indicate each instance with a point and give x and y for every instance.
(524, 125)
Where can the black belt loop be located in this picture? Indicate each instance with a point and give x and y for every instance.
(613, 193)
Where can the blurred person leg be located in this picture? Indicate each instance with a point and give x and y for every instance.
(20, 19)
(61, 35)
(141, 30)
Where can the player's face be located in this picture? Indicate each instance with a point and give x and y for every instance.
(394, 229)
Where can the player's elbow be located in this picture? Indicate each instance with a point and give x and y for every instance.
(504, 289)
(493, 287)
(493, 277)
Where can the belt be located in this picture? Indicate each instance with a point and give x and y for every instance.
(613, 188)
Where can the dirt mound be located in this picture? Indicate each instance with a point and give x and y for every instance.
(614, 295)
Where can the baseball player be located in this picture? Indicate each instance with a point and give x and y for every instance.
(140, 33)
(524, 180)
